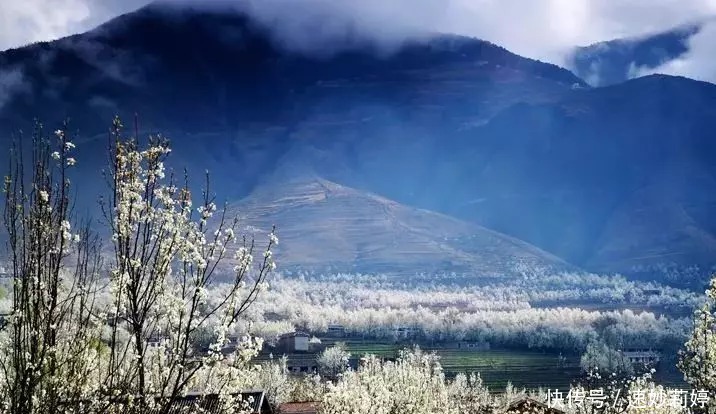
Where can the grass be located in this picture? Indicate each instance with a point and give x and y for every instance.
(530, 369)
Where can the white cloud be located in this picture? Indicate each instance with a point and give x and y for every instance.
(697, 63)
(28, 21)
(315, 25)
(543, 29)
(547, 29)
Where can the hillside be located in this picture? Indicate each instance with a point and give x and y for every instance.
(611, 178)
(323, 225)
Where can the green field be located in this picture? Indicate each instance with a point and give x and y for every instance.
(530, 369)
(524, 368)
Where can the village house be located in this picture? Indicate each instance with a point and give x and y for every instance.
(302, 366)
(294, 342)
(336, 331)
(642, 356)
(404, 332)
(155, 341)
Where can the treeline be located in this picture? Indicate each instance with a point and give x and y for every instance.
(383, 309)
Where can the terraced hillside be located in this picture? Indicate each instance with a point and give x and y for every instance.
(324, 225)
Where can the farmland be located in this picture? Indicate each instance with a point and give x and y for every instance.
(527, 323)
(530, 369)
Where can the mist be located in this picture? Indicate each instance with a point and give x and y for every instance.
(697, 63)
(545, 30)
(12, 81)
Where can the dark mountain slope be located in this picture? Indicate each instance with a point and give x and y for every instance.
(229, 96)
(615, 61)
(199, 69)
(609, 178)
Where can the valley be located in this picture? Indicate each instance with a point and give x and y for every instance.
(194, 204)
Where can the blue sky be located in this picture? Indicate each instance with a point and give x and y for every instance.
(543, 29)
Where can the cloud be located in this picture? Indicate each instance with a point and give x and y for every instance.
(549, 29)
(12, 81)
(697, 63)
(325, 22)
(322, 26)
(545, 29)
(29, 21)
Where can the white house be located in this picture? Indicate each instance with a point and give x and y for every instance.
(642, 356)
(294, 342)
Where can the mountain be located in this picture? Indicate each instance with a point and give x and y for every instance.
(615, 61)
(218, 83)
(615, 178)
(199, 69)
(327, 226)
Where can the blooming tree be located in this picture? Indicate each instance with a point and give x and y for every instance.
(599, 356)
(469, 395)
(626, 395)
(698, 358)
(167, 254)
(79, 339)
(48, 350)
(413, 384)
(333, 361)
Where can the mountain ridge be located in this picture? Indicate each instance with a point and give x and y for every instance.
(451, 125)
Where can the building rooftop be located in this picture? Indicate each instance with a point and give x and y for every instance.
(295, 334)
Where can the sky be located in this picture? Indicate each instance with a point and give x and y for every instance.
(541, 29)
